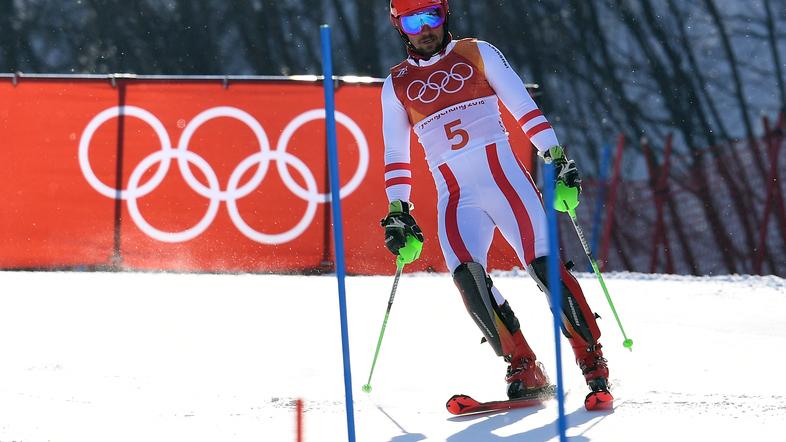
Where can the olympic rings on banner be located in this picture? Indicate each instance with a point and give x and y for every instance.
(213, 192)
(424, 88)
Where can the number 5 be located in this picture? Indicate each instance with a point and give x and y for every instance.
(461, 133)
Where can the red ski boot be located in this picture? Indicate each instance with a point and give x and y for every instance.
(525, 376)
(596, 373)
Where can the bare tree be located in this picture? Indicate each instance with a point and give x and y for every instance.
(9, 49)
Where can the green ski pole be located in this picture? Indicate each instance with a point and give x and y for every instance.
(627, 343)
(399, 269)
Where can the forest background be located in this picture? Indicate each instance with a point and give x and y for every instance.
(700, 76)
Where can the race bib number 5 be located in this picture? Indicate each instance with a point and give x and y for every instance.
(459, 137)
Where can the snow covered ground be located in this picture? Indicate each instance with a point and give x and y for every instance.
(174, 357)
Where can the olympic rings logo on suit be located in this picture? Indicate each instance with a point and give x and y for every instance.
(234, 191)
(428, 91)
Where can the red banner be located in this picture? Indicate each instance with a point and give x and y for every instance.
(199, 176)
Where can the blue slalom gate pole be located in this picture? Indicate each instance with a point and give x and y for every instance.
(338, 230)
(555, 286)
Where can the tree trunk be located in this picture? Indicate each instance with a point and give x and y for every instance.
(736, 78)
(8, 37)
(776, 59)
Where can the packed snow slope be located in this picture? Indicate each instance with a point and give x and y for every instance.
(116, 357)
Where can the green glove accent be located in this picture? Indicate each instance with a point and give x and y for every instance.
(566, 199)
(396, 206)
(555, 153)
(411, 251)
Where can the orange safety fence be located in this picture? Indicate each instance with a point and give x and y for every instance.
(199, 175)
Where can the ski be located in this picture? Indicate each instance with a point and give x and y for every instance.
(599, 401)
(462, 405)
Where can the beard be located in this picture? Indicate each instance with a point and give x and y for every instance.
(428, 49)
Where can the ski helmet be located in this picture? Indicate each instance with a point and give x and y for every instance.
(399, 8)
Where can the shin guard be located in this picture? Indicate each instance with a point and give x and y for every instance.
(578, 321)
(496, 322)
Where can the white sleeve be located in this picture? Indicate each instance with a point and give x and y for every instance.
(395, 133)
(514, 95)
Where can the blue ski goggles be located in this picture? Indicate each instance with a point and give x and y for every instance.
(413, 23)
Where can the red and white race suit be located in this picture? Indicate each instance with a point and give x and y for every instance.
(451, 102)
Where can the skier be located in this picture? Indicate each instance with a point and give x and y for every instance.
(447, 91)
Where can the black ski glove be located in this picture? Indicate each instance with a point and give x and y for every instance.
(398, 224)
(564, 169)
(568, 181)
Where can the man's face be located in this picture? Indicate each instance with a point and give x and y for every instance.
(428, 41)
